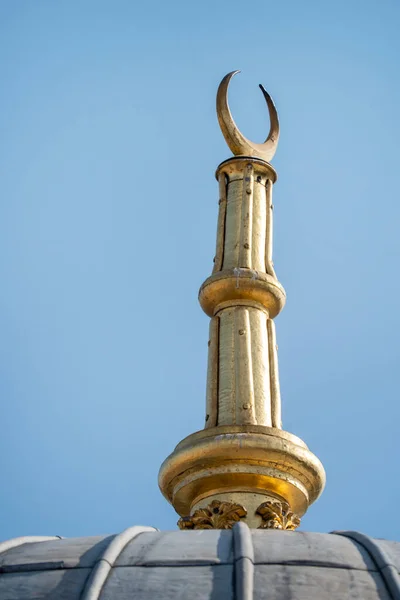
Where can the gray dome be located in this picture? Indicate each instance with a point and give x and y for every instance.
(143, 563)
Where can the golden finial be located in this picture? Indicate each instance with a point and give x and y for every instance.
(236, 141)
(242, 465)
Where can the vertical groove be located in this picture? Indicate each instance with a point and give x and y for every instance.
(276, 416)
(232, 224)
(260, 360)
(258, 230)
(212, 375)
(219, 252)
(226, 369)
(269, 265)
(246, 219)
(243, 368)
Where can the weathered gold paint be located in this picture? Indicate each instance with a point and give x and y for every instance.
(243, 368)
(269, 265)
(212, 375)
(236, 141)
(226, 374)
(276, 417)
(261, 370)
(219, 253)
(242, 458)
(245, 230)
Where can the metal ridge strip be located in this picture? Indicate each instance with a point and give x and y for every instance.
(384, 564)
(104, 564)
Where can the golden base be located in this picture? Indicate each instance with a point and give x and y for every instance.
(244, 461)
(239, 285)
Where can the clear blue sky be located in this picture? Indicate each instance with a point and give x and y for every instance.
(109, 143)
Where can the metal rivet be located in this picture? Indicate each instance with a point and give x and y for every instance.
(241, 331)
(246, 406)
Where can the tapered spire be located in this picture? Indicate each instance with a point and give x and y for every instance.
(242, 465)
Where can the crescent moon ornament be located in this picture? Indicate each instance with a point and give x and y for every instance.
(236, 141)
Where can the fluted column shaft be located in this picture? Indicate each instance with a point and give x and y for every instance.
(242, 380)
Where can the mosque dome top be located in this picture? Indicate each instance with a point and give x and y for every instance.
(241, 563)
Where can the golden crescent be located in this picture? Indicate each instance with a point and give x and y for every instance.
(236, 141)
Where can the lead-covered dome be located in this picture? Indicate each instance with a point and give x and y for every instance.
(142, 564)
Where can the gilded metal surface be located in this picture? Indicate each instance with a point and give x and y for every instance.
(242, 456)
(274, 514)
(217, 515)
(246, 227)
(277, 515)
(276, 417)
(241, 366)
(245, 459)
(269, 265)
(212, 375)
(233, 137)
(250, 500)
(219, 253)
(242, 284)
